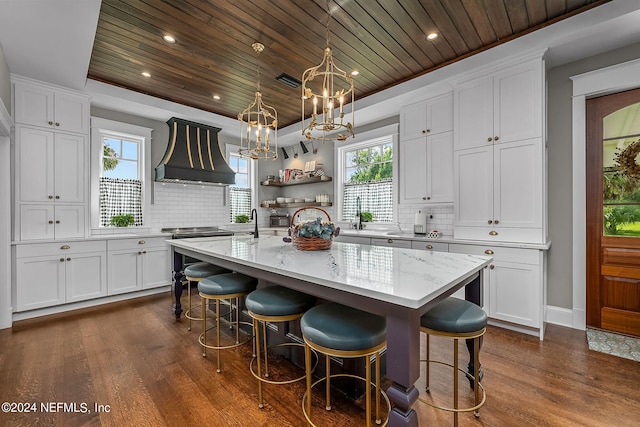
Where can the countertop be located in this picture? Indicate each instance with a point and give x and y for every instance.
(398, 234)
(407, 277)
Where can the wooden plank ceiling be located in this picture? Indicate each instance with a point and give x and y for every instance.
(385, 40)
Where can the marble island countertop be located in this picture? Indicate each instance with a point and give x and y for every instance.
(407, 277)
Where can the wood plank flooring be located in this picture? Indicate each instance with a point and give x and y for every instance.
(134, 357)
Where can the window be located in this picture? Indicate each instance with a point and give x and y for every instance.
(242, 193)
(366, 177)
(118, 174)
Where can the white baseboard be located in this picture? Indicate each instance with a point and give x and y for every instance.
(560, 316)
(90, 303)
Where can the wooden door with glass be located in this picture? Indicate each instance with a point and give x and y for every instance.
(613, 212)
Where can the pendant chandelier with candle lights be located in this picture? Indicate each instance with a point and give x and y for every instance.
(258, 124)
(326, 105)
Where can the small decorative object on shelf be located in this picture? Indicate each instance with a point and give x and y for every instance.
(315, 235)
(435, 234)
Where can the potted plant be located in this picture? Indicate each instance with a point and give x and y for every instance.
(124, 220)
(241, 219)
(366, 216)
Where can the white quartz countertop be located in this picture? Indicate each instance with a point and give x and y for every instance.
(407, 277)
(396, 234)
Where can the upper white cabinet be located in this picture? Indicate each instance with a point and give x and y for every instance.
(426, 151)
(51, 158)
(499, 156)
(39, 105)
(503, 107)
(51, 166)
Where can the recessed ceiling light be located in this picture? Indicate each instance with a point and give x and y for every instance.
(146, 74)
(216, 97)
(168, 38)
(432, 36)
(355, 72)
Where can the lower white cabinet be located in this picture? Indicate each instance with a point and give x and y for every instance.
(514, 284)
(353, 239)
(49, 274)
(137, 264)
(41, 221)
(430, 246)
(396, 243)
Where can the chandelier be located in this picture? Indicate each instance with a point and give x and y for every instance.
(258, 124)
(326, 105)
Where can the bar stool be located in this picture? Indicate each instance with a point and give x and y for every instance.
(195, 273)
(274, 304)
(226, 286)
(340, 331)
(458, 319)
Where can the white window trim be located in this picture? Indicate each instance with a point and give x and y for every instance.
(362, 140)
(100, 126)
(253, 174)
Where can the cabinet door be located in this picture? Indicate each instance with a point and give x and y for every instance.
(413, 170)
(473, 113)
(518, 197)
(473, 181)
(86, 276)
(515, 293)
(70, 161)
(518, 103)
(413, 121)
(157, 268)
(37, 222)
(35, 163)
(33, 105)
(71, 113)
(69, 221)
(125, 271)
(40, 282)
(439, 112)
(439, 168)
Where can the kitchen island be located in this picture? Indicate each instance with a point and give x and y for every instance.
(400, 284)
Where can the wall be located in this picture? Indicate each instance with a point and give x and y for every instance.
(176, 205)
(560, 172)
(5, 84)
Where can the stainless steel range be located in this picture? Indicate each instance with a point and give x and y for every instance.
(181, 261)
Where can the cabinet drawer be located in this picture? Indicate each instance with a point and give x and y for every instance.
(525, 256)
(396, 243)
(430, 246)
(137, 242)
(61, 247)
(504, 234)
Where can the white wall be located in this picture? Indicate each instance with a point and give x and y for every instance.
(5, 195)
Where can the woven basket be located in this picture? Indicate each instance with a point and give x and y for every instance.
(308, 243)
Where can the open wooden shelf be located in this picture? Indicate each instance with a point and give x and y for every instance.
(300, 181)
(296, 205)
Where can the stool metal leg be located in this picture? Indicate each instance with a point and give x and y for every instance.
(307, 364)
(378, 420)
(218, 333)
(328, 382)
(264, 338)
(455, 381)
(367, 397)
(426, 368)
(203, 310)
(476, 373)
(189, 296)
(256, 328)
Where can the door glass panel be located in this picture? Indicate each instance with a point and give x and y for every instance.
(621, 172)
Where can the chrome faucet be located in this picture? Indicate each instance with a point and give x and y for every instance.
(255, 213)
(358, 213)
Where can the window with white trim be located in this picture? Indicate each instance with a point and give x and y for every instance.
(120, 159)
(366, 179)
(240, 193)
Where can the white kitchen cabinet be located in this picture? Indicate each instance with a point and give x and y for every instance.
(426, 169)
(430, 246)
(51, 166)
(48, 107)
(499, 192)
(426, 151)
(49, 274)
(41, 221)
(139, 263)
(503, 107)
(514, 286)
(353, 239)
(429, 117)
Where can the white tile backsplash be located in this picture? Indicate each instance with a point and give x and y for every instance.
(442, 217)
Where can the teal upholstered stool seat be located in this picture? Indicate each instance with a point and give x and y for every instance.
(274, 304)
(218, 288)
(194, 273)
(340, 331)
(457, 319)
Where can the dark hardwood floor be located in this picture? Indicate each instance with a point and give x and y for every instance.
(134, 357)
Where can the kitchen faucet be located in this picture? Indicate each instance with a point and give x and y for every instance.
(255, 232)
(358, 213)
